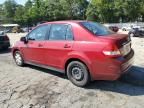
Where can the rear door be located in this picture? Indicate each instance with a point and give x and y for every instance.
(59, 44)
(34, 50)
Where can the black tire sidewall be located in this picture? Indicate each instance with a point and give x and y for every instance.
(86, 77)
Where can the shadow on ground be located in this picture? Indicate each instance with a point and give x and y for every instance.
(131, 83)
(55, 73)
(5, 51)
(134, 76)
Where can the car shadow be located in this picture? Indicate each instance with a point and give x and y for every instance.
(4, 51)
(131, 83)
(55, 73)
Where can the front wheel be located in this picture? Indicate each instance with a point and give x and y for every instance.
(18, 58)
(78, 73)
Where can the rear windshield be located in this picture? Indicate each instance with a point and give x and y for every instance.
(96, 28)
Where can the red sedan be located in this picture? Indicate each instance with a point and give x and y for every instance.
(83, 50)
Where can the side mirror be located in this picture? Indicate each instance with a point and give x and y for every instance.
(24, 39)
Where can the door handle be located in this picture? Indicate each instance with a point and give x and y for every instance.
(67, 46)
(40, 45)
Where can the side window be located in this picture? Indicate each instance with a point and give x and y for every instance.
(39, 33)
(69, 34)
(58, 32)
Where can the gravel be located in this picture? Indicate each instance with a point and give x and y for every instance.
(33, 87)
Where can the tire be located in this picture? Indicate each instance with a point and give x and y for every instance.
(18, 58)
(78, 73)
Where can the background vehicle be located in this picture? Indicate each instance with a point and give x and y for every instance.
(137, 32)
(129, 27)
(4, 41)
(112, 27)
(10, 28)
(17, 29)
(83, 50)
(126, 28)
(25, 29)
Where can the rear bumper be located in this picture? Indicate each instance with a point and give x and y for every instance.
(4, 44)
(126, 65)
(114, 68)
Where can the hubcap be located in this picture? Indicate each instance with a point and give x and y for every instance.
(77, 73)
(18, 59)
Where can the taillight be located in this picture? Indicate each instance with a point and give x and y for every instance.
(112, 51)
(6, 38)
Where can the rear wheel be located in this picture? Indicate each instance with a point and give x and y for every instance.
(18, 58)
(78, 74)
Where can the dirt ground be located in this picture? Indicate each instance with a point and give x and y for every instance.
(33, 87)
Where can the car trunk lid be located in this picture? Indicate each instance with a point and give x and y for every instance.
(121, 41)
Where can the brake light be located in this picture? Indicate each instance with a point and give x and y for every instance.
(112, 51)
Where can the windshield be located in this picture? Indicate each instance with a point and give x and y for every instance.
(96, 28)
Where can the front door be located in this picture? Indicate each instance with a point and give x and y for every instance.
(34, 50)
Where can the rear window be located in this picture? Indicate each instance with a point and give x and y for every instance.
(96, 28)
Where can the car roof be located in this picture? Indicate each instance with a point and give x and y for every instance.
(65, 21)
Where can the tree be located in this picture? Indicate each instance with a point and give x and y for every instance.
(105, 11)
(19, 14)
(26, 16)
(28, 5)
(141, 16)
(54, 10)
(101, 10)
(114, 10)
(9, 10)
(36, 12)
(1, 13)
(75, 9)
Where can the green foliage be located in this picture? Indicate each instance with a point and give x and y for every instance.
(9, 8)
(19, 14)
(114, 10)
(105, 11)
(54, 10)
(1, 13)
(75, 9)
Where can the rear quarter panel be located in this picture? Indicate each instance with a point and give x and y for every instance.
(91, 54)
